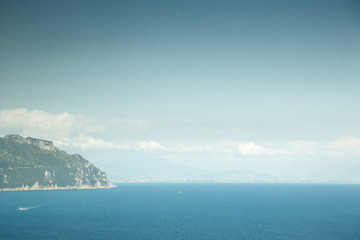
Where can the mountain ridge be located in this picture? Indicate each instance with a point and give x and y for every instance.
(36, 164)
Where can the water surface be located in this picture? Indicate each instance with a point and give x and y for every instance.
(200, 211)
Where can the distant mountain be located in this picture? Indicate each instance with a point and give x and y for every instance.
(35, 164)
(134, 168)
(150, 169)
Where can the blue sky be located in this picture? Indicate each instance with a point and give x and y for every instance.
(230, 85)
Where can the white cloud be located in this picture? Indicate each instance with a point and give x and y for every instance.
(250, 148)
(76, 131)
(303, 147)
(343, 146)
(150, 146)
(64, 129)
(182, 147)
(126, 146)
(346, 143)
(37, 123)
(88, 142)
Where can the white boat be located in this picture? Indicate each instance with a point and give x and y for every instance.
(22, 209)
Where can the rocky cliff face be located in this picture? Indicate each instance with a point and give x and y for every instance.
(43, 144)
(35, 164)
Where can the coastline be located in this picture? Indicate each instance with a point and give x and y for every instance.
(49, 188)
(274, 181)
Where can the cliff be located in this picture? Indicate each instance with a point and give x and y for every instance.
(35, 164)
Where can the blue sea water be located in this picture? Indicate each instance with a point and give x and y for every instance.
(200, 211)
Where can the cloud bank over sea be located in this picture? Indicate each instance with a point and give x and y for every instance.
(92, 136)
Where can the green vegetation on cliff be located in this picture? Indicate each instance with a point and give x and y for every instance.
(30, 163)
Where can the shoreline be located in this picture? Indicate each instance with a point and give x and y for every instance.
(51, 188)
(229, 181)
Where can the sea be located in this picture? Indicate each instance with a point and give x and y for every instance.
(195, 211)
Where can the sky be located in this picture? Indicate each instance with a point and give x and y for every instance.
(270, 87)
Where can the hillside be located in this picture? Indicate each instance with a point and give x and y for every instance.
(35, 164)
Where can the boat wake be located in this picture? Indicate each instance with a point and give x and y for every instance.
(26, 208)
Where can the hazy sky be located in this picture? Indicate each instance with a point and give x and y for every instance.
(263, 86)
